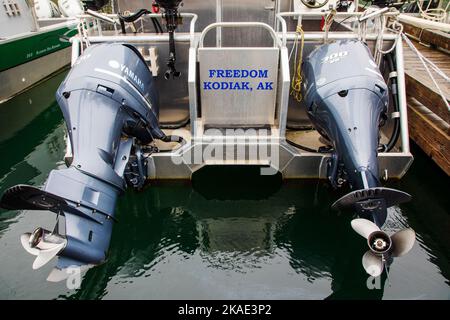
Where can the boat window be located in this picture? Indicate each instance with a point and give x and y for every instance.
(11, 8)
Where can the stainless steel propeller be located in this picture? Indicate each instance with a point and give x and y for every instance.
(382, 247)
(43, 244)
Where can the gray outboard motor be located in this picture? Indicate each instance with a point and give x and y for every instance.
(110, 106)
(347, 98)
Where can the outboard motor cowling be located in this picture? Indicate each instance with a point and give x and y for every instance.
(347, 98)
(110, 105)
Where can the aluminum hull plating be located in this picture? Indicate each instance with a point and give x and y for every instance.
(292, 164)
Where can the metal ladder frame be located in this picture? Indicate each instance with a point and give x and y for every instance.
(282, 95)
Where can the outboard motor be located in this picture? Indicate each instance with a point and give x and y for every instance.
(347, 101)
(110, 105)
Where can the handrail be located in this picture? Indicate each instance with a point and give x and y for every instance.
(240, 24)
(109, 18)
(424, 24)
(100, 16)
(373, 14)
(280, 17)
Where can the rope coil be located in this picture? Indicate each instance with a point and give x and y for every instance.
(296, 83)
(433, 14)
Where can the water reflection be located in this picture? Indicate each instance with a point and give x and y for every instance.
(430, 208)
(234, 236)
(31, 138)
(26, 120)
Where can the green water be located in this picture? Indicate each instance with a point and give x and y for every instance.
(228, 234)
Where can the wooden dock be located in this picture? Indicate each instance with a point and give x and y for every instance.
(428, 116)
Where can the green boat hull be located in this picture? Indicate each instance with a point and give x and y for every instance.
(33, 46)
(26, 60)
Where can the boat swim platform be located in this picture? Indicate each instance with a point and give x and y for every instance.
(428, 116)
(293, 163)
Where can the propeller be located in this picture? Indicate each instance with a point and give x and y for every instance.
(382, 247)
(43, 244)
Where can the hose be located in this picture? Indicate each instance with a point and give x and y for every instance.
(393, 79)
(168, 138)
(173, 138)
(157, 25)
(130, 18)
(304, 148)
(136, 16)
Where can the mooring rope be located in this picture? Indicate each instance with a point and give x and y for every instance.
(396, 27)
(380, 23)
(435, 14)
(425, 63)
(296, 83)
(328, 21)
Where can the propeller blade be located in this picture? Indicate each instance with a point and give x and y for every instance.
(45, 256)
(49, 241)
(372, 263)
(25, 240)
(364, 227)
(402, 242)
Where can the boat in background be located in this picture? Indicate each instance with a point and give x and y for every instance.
(34, 35)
